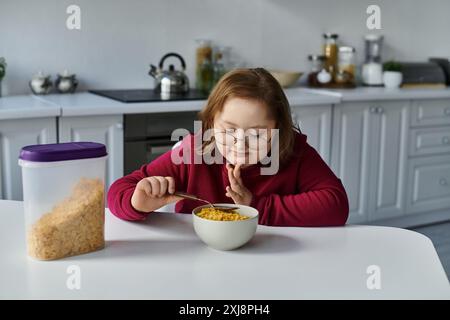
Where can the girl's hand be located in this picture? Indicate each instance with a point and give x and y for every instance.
(237, 191)
(152, 193)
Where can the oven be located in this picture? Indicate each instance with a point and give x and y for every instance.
(147, 136)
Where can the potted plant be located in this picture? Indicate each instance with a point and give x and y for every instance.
(2, 72)
(392, 75)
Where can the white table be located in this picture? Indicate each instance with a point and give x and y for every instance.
(163, 259)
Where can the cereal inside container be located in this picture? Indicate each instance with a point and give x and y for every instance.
(64, 198)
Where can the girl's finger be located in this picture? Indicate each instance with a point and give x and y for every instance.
(155, 186)
(233, 182)
(171, 186)
(163, 184)
(236, 184)
(232, 194)
(145, 185)
(237, 173)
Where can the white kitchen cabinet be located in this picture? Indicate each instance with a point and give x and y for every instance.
(428, 184)
(429, 164)
(106, 129)
(350, 156)
(315, 122)
(369, 154)
(387, 188)
(15, 134)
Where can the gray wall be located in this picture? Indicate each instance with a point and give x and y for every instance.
(118, 39)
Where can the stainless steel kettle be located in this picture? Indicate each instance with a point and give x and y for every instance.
(170, 80)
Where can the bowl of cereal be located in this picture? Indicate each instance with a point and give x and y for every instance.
(223, 228)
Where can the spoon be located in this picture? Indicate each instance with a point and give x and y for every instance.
(194, 197)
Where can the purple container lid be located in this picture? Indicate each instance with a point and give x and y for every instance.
(62, 151)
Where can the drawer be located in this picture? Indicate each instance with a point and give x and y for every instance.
(428, 184)
(430, 112)
(429, 141)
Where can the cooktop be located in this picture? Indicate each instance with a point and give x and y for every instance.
(149, 95)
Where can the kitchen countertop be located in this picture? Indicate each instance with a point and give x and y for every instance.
(85, 103)
(381, 93)
(162, 258)
(28, 106)
(302, 97)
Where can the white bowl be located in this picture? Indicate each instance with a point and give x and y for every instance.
(286, 78)
(226, 235)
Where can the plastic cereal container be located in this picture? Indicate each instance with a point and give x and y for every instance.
(64, 192)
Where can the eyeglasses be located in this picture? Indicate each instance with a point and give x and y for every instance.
(253, 138)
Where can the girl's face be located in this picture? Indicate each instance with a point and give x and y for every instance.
(242, 131)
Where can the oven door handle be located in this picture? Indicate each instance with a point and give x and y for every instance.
(157, 147)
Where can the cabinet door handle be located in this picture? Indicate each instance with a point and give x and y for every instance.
(445, 140)
(443, 182)
(373, 109)
(119, 125)
(380, 109)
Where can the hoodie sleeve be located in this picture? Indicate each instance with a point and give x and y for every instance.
(121, 191)
(322, 200)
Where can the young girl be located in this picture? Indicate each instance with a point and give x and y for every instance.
(302, 192)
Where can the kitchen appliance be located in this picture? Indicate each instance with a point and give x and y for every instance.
(170, 80)
(149, 95)
(422, 75)
(147, 136)
(372, 69)
(64, 196)
(444, 63)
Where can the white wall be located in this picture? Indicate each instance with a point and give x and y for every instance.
(119, 38)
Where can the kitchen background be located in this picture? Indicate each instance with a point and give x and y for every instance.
(118, 39)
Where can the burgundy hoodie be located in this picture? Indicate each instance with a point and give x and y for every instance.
(304, 192)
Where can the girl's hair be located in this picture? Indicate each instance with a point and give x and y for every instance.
(256, 84)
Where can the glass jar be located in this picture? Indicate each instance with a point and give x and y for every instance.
(346, 66)
(317, 64)
(221, 63)
(204, 65)
(330, 51)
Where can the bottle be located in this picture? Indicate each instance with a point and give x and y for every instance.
(204, 70)
(206, 76)
(330, 51)
(220, 65)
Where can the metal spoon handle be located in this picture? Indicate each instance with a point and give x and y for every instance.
(186, 195)
(192, 197)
